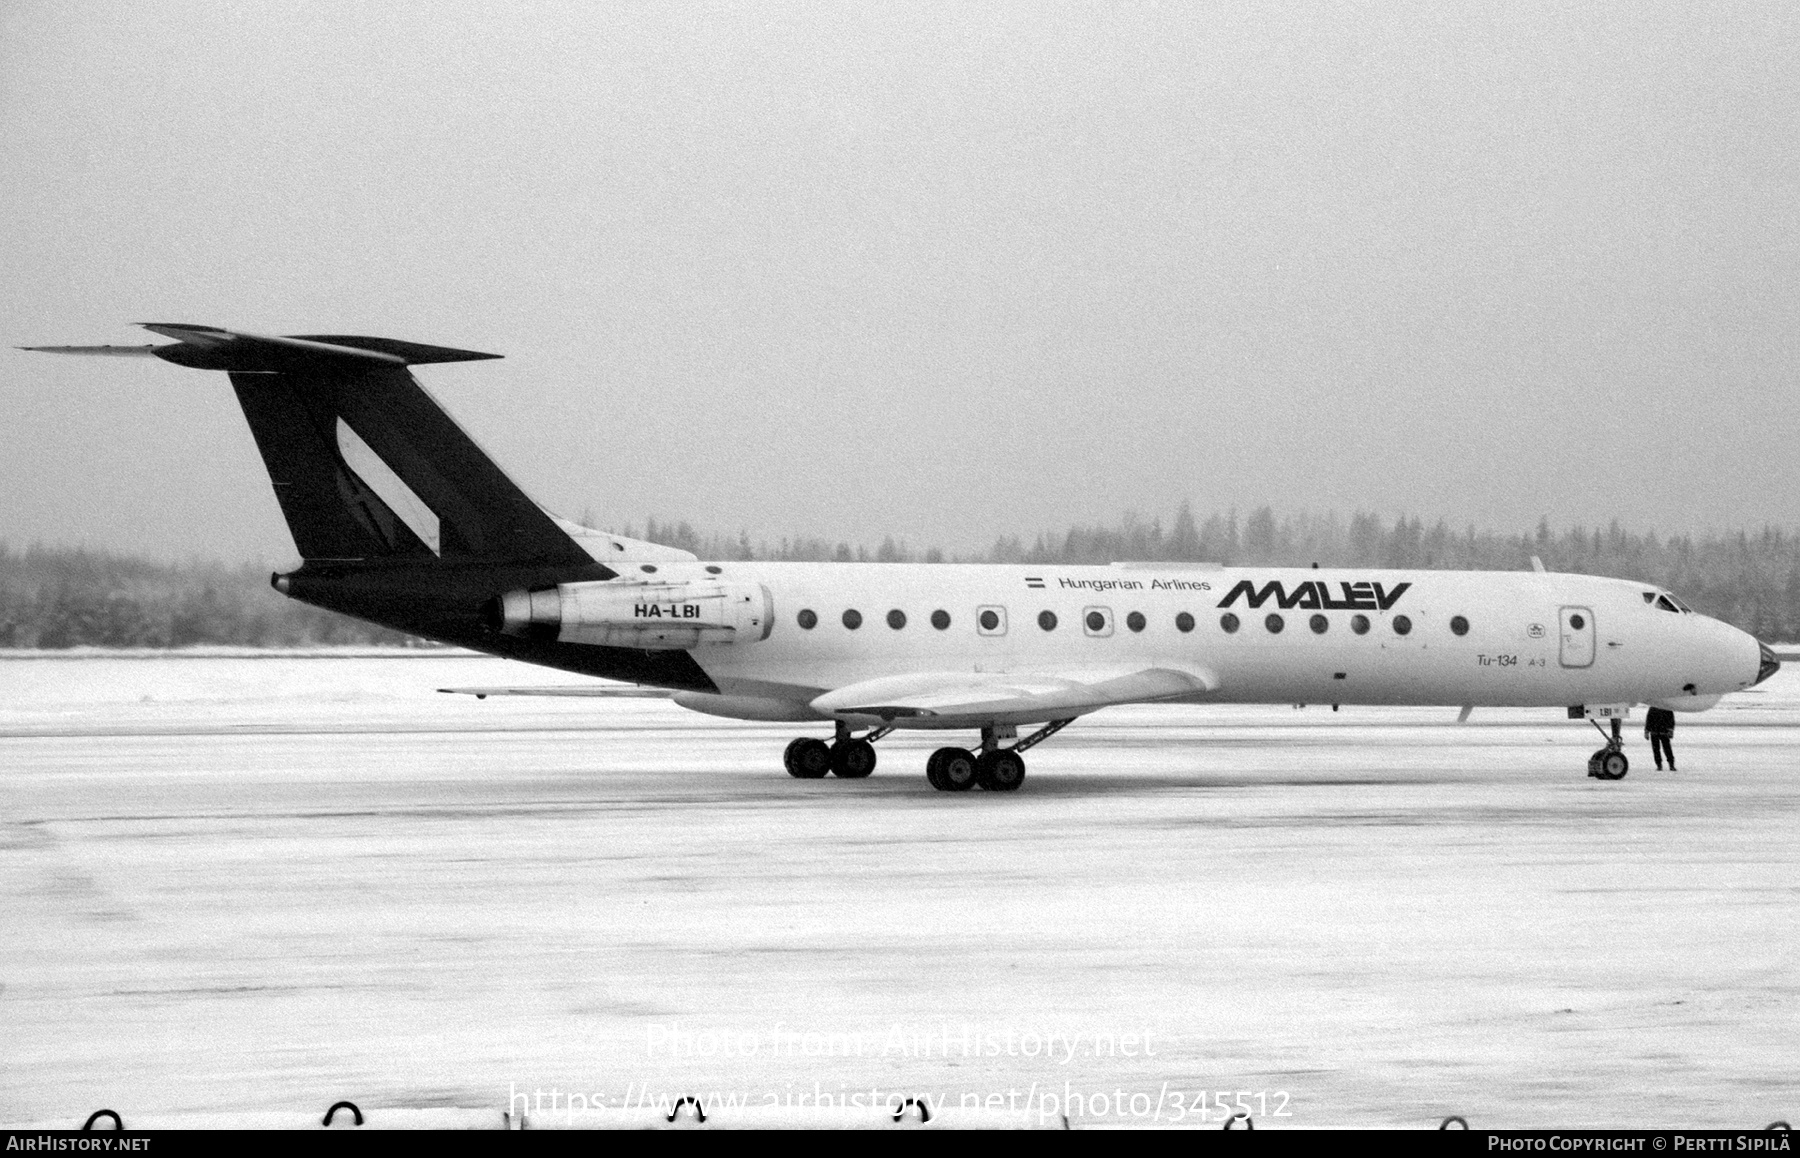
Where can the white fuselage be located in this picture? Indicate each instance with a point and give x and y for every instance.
(1531, 639)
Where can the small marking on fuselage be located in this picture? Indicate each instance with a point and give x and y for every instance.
(666, 611)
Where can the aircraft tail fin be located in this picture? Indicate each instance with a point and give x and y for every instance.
(365, 464)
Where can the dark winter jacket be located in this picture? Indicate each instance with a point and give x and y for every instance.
(1659, 722)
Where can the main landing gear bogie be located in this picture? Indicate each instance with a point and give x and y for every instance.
(958, 770)
(993, 768)
(847, 757)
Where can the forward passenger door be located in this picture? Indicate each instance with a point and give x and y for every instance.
(1577, 637)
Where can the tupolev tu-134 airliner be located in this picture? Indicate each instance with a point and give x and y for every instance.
(401, 520)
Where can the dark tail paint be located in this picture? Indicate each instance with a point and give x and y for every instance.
(360, 556)
(335, 515)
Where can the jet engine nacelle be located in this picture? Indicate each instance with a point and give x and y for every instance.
(647, 616)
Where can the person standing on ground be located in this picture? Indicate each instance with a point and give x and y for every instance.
(1659, 729)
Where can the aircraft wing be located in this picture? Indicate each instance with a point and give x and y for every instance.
(953, 698)
(605, 691)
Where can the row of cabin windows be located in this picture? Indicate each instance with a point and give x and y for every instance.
(989, 620)
(940, 619)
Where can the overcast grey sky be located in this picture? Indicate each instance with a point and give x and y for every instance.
(939, 271)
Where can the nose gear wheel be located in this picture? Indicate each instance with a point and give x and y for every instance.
(1610, 762)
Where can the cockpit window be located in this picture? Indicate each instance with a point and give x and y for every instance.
(1663, 601)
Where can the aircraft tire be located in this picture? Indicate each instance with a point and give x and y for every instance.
(852, 759)
(955, 769)
(811, 759)
(1000, 771)
(1613, 766)
(787, 757)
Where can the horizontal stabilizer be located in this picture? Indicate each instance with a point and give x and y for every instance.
(365, 464)
(210, 348)
(97, 351)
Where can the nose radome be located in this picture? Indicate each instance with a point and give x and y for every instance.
(1770, 665)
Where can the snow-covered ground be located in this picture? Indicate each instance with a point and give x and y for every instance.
(233, 883)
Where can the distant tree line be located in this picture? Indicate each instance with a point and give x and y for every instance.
(62, 597)
(71, 597)
(1749, 579)
(798, 549)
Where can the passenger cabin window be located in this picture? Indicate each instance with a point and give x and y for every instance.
(940, 619)
(1097, 621)
(1047, 620)
(853, 619)
(896, 619)
(990, 620)
(1229, 623)
(1459, 625)
(1319, 624)
(1184, 622)
(1359, 624)
(1403, 625)
(1274, 623)
(1135, 621)
(807, 619)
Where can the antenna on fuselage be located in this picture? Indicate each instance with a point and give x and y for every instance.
(1537, 565)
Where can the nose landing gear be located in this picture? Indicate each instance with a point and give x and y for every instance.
(1609, 763)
